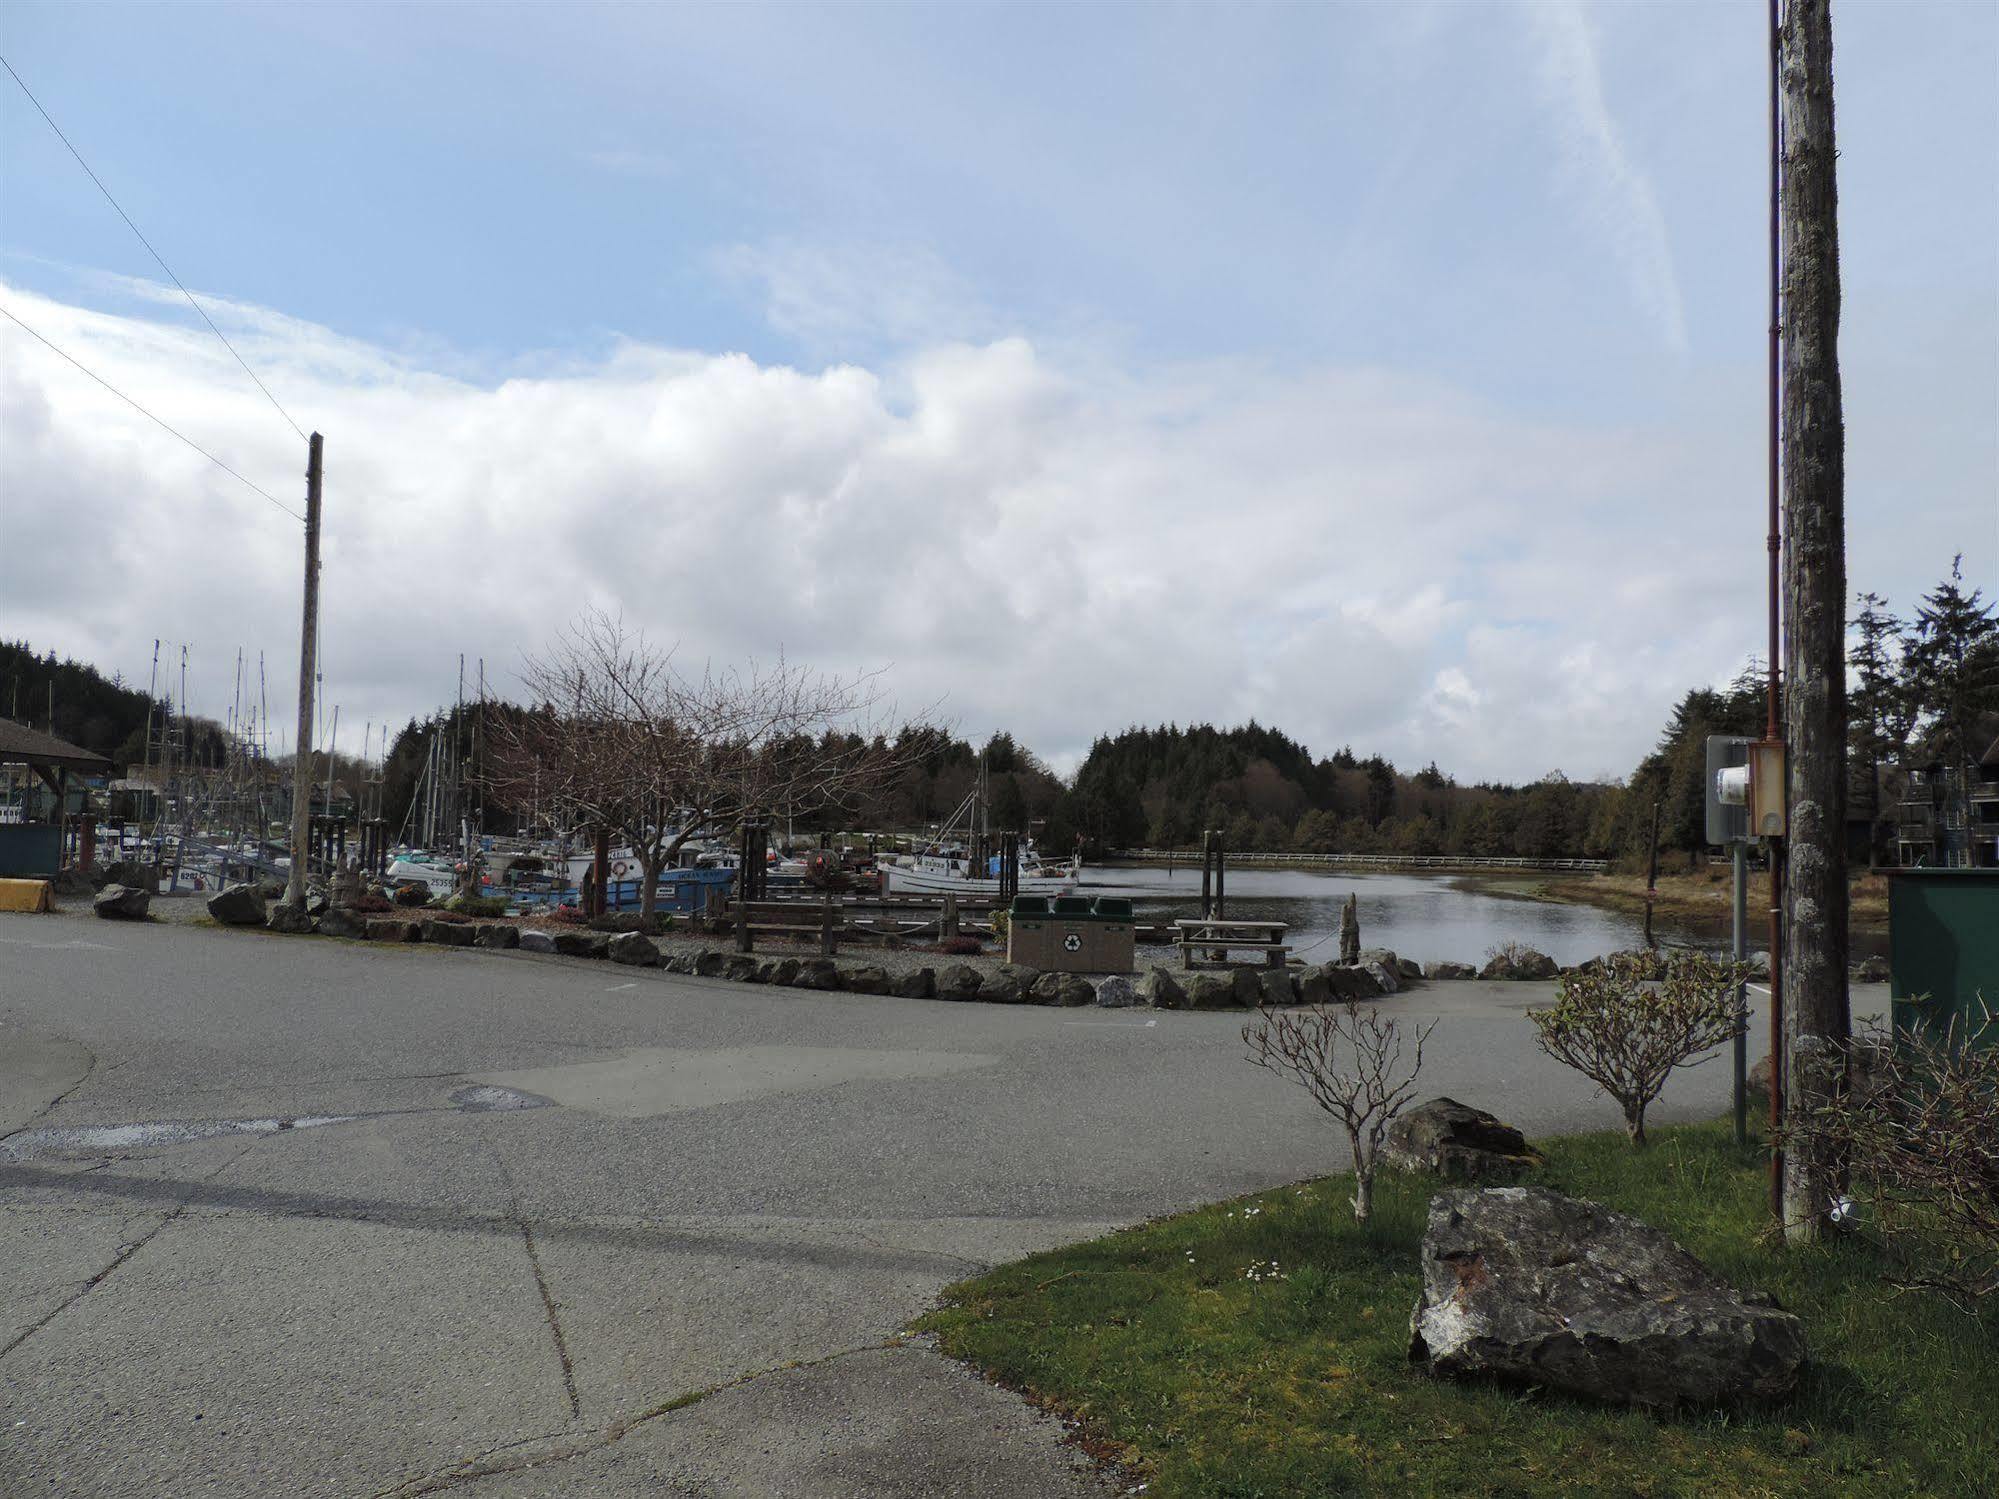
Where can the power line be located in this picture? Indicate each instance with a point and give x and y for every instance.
(150, 250)
(149, 415)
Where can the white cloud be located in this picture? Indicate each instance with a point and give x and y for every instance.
(1057, 547)
(1613, 194)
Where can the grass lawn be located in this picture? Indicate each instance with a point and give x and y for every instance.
(1205, 1381)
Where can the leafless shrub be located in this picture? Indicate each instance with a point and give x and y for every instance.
(1918, 1125)
(1354, 1063)
(1627, 1035)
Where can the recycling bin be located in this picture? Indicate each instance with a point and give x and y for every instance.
(1943, 951)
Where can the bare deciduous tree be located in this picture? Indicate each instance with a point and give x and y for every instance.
(625, 742)
(1919, 1131)
(1354, 1063)
(1627, 1035)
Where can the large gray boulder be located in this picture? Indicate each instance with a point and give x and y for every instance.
(581, 944)
(1247, 985)
(122, 903)
(1161, 990)
(1116, 993)
(502, 936)
(1516, 962)
(918, 983)
(1073, 991)
(292, 920)
(532, 941)
(1347, 983)
(1211, 991)
(742, 968)
(1454, 1140)
(817, 973)
(448, 933)
(867, 979)
(1008, 984)
(1278, 986)
(392, 929)
(783, 973)
(634, 950)
(1385, 967)
(1408, 970)
(1526, 1286)
(342, 923)
(958, 981)
(1442, 970)
(1312, 987)
(709, 962)
(238, 905)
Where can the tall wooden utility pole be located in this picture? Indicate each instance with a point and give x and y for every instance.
(308, 645)
(1815, 891)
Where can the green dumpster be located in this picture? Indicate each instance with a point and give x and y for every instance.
(1943, 950)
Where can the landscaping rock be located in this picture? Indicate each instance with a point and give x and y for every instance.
(867, 979)
(531, 941)
(1161, 990)
(392, 929)
(634, 950)
(316, 903)
(238, 905)
(498, 935)
(920, 984)
(817, 973)
(958, 981)
(1042, 990)
(708, 963)
(447, 933)
(1278, 987)
(1449, 971)
(582, 944)
(1349, 983)
(1871, 971)
(1454, 1140)
(1210, 991)
(1385, 966)
(784, 973)
(122, 903)
(339, 923)
(680, 960)
(1116, 993)
(742, 968)
(1408, 969)
(1248, 986)
(292, 920)
(1313, 988)
(1073, 991)
(1519, 963)
(1008, 985)
(1527, 1286)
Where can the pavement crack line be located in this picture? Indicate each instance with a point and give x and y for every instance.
(490, 1464)
(89, 1069)
(520, 1218)
(125, 1252)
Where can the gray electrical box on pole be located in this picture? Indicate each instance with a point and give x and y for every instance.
(1727, 810)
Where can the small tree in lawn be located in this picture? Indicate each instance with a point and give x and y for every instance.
(1627, 1035)
(1354, 1063)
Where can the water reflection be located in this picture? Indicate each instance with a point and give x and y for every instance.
(1425, 917)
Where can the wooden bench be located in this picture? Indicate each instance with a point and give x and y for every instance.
(1219, 938)
(787, 918)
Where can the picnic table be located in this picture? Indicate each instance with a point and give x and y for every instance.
(1217, 939)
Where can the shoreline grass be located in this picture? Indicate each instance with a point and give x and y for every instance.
(1257, 1349)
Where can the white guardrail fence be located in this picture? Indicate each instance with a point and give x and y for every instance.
(1370, 861)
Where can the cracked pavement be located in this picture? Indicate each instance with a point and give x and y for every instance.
(683, 1266)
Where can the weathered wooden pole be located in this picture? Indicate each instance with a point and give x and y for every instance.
(308, 645)
(1814, 475)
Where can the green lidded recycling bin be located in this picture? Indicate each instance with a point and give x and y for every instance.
(1029, 937)
(1114, 943)
(1943, 950)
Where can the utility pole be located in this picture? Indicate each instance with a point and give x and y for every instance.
(1814, 473)
(308, 643)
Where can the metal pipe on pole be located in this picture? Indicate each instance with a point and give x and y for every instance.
(1772, 721)
(308, 644)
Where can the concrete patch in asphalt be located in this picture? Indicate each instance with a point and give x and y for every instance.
(649, 1080)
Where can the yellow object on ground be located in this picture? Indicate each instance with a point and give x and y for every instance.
(24, 895)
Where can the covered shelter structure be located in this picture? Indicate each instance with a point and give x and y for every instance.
(34, 850)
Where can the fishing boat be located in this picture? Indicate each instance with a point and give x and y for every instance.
(947, 866)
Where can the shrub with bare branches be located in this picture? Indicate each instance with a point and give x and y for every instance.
(1918, 1126)
(1626, 1034)
(1356, 1066)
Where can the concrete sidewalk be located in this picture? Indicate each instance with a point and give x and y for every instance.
(679, 1260)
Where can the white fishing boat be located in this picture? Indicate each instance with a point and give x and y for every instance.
(945, 866)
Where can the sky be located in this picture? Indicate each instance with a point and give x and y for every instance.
(1390, 374)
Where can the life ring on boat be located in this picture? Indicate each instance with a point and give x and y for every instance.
(620, 869)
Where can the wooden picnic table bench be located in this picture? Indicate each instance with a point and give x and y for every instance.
(1219, 938)
(820, 920)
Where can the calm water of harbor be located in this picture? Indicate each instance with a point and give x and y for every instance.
(1425, 917)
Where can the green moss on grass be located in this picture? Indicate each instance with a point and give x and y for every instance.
(1210, 1383)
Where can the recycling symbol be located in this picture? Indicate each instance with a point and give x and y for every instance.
(1072, 943)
